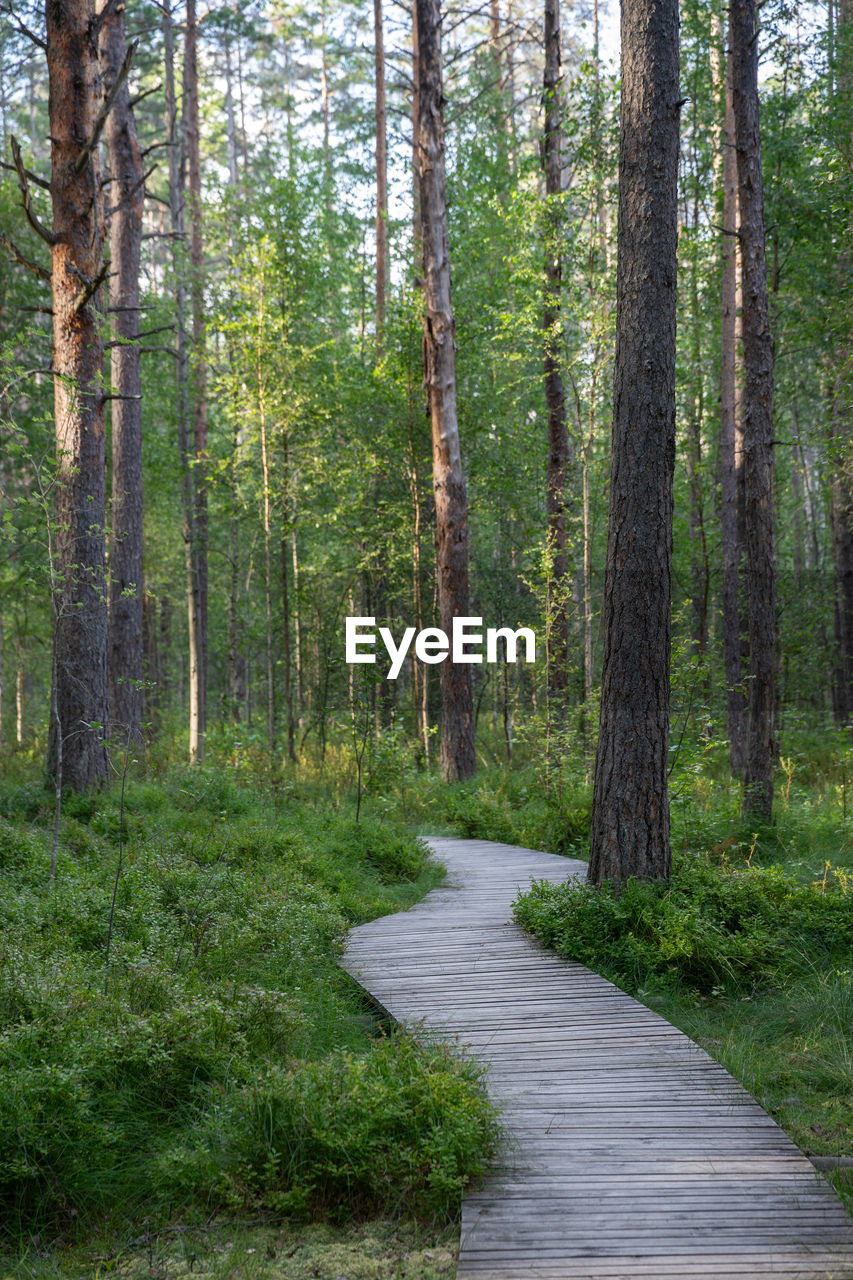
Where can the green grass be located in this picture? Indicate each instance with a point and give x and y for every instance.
(224, 1063)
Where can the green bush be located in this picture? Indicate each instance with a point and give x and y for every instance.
(712, 928)
(138, 1093)
(402, 1127)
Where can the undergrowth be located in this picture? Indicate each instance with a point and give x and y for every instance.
(223, 1062)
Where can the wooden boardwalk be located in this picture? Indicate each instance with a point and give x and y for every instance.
(630, 1152)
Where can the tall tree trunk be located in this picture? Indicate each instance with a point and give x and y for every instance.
(285, 596)
(731, 452)
(417, 242)
(630, 811)
(19, 700)
(126, 195)
(234, 505)
(381, 176)
(81, 702)
(325, 108)
(420, 669)
(841, 406)
(700, 569)
(296, 610)
(559, 451)
(198, 722)
(265, 474)
(458, 759)
(757, 416)
(175, 140)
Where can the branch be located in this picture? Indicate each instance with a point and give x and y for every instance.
(90, 287)
(33, 177)
(149, 333)
(169, 351)
(26, 200)
(113, 395)
(106, 108)
(24, 30)
(149, 195)
(154, 147)
(132, 192)
(25, 262)
(147, 94)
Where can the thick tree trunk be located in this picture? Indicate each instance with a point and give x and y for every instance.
(198, 726)
(458, 759)
(731, 453)
(757, 416)
(381, 176)
(559, 452)
(630, 812)
(126, 196)
(81, 712)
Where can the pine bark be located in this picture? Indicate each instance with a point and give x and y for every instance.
(76, 744)
(759, 516)
(731, 452)
(841, 415)
(457, 755)
(630, 813)
(199, 374)
(176, 216)
(559, 451)
(126, 195)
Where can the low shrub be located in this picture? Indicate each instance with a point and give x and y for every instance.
(224, 1025)
(403, 1127)
(711, 928)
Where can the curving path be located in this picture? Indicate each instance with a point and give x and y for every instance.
(631, 1153)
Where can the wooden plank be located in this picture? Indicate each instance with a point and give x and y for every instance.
(629, 1152)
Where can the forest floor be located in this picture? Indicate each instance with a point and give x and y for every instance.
(218, 1100)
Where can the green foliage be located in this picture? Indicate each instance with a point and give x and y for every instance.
(402, 1128)
(514, 808)
(152, 1090)
(713, 927)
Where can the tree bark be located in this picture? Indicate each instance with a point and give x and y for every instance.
(457, 755)
(630, 812)
(731, 452)
(198, 720)
(757, 416)
(381, 176)
(417, 245)
(559, 452)
(81, 711)
(841, 413)
(287, 658)
(126, 195)
(176, 217)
